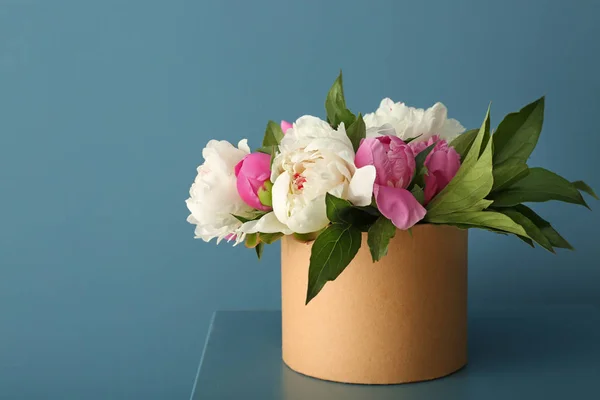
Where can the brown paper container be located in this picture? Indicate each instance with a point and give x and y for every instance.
(402, 319)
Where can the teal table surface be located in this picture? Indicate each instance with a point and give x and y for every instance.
(527, 353)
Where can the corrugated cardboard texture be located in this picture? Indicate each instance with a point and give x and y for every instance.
(403, 319)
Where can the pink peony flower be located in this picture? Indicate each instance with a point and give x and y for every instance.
(394, 163)
(442, 165)
(285, 126)
(253, 180)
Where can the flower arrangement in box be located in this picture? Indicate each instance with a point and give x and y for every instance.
(356, 187)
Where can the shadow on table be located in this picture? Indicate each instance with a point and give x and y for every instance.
(507, 354)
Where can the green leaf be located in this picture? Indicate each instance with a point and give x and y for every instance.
(273, 134)
(477, 145)
(508, 173)
(538, 186)
(418, 194)
(463, 142)
(331, 253)
(526, 240)
(251, 240)
(342, 211)
(259, 250)
(269, 238)
(479, 206)
(357, 132)
(422, 156)
(335, 105)
(273, 155)
(370, 209)
(472, 182)
(265, 149)
(493, 230)
(243, 220)
(379, 237)
(584, 187)
(518, 133)
(306, 237)
(420, 169)
(407, 141)
(530, 227)
(336, 207)
(482, 219)
(556, 240)
(265, 195)
(253, 217)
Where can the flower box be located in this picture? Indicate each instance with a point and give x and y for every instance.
(403, 319)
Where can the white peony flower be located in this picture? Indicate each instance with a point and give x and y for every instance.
(408, 122)
(214, 196)
(314, 159)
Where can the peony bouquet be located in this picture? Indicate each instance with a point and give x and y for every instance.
(331, 181)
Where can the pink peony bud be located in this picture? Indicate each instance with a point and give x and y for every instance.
(285, 126)
(253, 174)
(394, 163)
(442, 165)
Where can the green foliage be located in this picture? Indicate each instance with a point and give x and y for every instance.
(407, 141)
(252, 217)
(379, 237)
(273, 135)
(259, 250)
(269, 238)
(533, 231)
(357, 132)
(584, 187)
(472, 182)
(481, 219)
(538, 186)
(331, 253)
(306, 237)
(265, 194)
(555, 239)
(462, 143)
(420, 169)
(252, 240)
(508, 173)
(335, 105)
(337, 208)
(342, 211)
(418, 193)
(518, 133)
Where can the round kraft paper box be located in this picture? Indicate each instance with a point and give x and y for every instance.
(402, 319)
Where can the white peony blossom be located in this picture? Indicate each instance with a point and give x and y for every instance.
(408, 122)
(314, 159)
(213, 195)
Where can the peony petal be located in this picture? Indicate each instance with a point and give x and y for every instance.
(360, 190)
(442, 165)
(247, 192)
(267, 224)
(431, 186)
(256, 164)
(285, 126)
(310, 218)
(243, 145)
(238, 167)
(451, 129)
(399, 205)
(364, 154)
(280, 192)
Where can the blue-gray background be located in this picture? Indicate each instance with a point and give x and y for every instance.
(105, 107)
